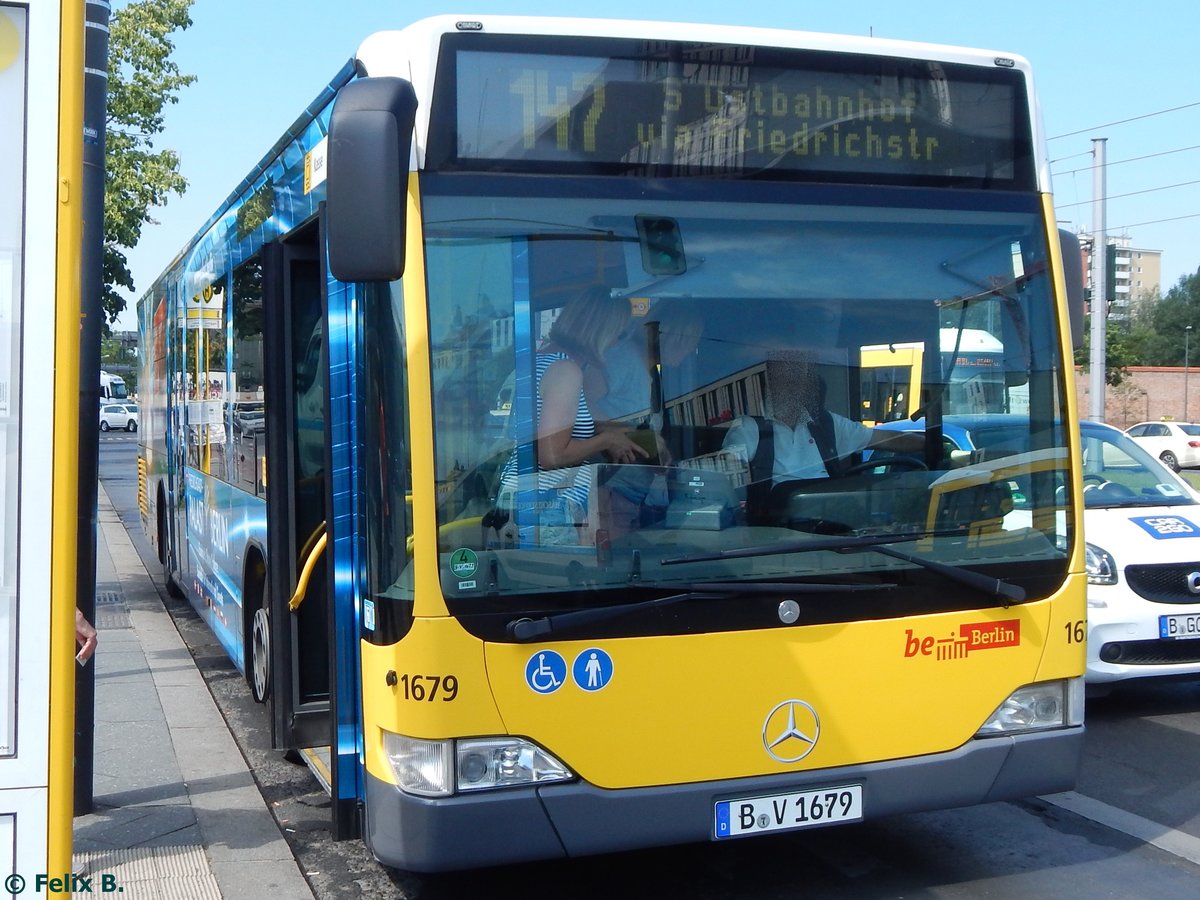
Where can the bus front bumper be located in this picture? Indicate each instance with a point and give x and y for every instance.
(577, 819)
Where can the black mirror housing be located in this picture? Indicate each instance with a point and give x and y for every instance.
(370, 139)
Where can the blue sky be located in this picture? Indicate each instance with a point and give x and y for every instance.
(1127, 75)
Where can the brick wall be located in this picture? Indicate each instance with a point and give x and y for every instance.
(1145, 394)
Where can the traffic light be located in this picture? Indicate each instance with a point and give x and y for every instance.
(662, 245)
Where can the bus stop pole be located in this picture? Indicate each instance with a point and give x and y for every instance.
(95, 100)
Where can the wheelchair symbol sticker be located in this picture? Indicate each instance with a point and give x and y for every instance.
(593, 669)
(545, 672)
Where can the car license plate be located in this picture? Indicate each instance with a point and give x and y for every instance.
(784, 812)
(1180, 625)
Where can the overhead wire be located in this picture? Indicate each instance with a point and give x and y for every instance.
(1117, 162)
(1165, 187)
(1117, 228)
(1125, 121)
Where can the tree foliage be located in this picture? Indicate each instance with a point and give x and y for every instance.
(1156, 335)
(142, 80)
(1124, 346)
(1169, 320)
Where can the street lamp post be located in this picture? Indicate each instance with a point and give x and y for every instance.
(1187, 334)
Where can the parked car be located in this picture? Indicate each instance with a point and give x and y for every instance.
(249, 418)
(1177, 444)
(122, 416)
(1141, 523)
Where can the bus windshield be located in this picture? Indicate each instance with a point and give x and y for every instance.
(742, 321)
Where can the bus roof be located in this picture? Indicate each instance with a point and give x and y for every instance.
(377, 52)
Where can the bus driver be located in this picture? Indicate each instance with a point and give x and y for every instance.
(801, 438)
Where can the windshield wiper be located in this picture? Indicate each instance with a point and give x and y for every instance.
(525, 629)
(872, 543)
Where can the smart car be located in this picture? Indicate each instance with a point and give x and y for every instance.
(1142, 532)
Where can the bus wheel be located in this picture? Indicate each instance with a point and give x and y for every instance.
(164, 553)
(260, 654)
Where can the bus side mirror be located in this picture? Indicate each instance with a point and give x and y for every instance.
(1072, 259)
(370, 138)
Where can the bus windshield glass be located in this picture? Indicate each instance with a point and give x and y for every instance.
(711, 346)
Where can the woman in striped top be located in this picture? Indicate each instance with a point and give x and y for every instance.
(567, 434)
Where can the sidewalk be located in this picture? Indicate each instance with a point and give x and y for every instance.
(176, 812)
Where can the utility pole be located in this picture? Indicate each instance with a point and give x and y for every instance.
(95, 99)
(1099, 328)
(1187, 335)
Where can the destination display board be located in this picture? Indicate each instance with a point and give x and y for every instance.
(608, 106)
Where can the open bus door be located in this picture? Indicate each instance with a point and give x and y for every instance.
(305, 667)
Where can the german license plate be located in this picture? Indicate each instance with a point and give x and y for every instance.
(1180, 625)
(785, 812)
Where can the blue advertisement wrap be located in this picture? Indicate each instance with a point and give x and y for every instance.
(222, 522)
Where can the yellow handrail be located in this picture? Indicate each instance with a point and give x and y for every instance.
(310, 563)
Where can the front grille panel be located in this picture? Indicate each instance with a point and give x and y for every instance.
(1164, 583)
(1150, 653)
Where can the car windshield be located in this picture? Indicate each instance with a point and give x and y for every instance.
(743, 315)
(1117, 472)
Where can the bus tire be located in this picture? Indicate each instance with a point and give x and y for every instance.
(164, 553)
(259, 670)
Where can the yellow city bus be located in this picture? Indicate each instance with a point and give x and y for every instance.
(41, 239)
(493, 660)
(972, 367)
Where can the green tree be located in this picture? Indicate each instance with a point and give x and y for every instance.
(1124, 346)
(1170, 318)
(142, 80)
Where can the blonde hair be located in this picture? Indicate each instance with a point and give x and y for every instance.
(589, 324)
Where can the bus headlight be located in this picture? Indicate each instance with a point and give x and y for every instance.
(1036, 707)
(500, 762)
(439, 768)
(421, 767)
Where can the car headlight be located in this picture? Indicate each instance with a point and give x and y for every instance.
(1101, 567)
(439, 768)
(1036, 707)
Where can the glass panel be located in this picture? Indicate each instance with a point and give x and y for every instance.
(1118, 472)
(387, 463)
(620, 382)
(207, 410)
(12, 188)
(247, 425)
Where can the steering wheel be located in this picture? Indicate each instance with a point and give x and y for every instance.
(892, 462)
(1093, 478)
(1114, 490)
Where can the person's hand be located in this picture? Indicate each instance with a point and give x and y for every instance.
(85, 637)
(664, 452)
(621, 449)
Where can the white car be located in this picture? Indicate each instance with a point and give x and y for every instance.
(1141, 525)
(1142, 528)
(1177, 444)
(118, 415)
